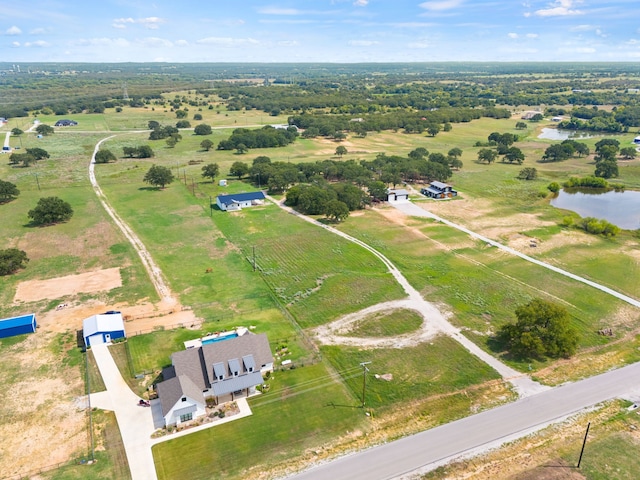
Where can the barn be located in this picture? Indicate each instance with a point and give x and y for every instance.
(10, 327)
(102, 328)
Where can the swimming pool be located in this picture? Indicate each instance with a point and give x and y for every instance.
(207, 341)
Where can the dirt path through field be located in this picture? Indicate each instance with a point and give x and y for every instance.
(155, 274)
(436, 321)
(168, 312)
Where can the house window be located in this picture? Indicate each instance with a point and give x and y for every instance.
(235, 374)
(250, 369)
(184, 399)
(221, 377)
(186, 417)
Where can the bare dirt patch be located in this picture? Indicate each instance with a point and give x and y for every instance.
(140, 318)
(90, 282)
(37, 406)
(334, 332)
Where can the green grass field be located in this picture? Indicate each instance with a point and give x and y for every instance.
(314, 275)
(438, 367)
(296, 414)
(387, 324)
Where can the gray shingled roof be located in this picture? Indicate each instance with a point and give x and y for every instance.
(222, 352)
(197, 369)
(172, 390)
(190, 362)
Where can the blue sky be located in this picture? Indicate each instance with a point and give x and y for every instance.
(319, 31)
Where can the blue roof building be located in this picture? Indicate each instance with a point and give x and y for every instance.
(238, 201)
(10, 327)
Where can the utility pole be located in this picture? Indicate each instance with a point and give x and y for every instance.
(364, 379)
(37, 181)
(584, 442)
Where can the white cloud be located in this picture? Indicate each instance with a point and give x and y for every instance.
(181, 43)
(101, 42)
(15, 44)
(279, 11)
(419, 45)
(439, 5)
(39, 44)
(560, 8)
(155, 42)
(532, 35)
(148, 22)
(361, 3)
(582, 28)
(512, 35)
(288, 43)
(151, 22)
(13, 31)
(38, 31)
(227, 41)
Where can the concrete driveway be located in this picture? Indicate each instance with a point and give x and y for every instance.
(135, 422)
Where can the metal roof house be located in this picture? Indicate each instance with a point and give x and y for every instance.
(102, 328)
(439, 190)
(222, 370)
(10, 327)
(238, 201)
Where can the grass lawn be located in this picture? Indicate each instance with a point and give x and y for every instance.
(295, 415)
(482, 286)
(429, 369)
(387, 324)
(87, 242)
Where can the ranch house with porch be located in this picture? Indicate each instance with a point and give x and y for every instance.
(223, 371)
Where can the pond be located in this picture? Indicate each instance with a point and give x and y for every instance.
(620, 208)
(557, 134)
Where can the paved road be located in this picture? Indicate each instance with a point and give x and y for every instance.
(416, 211)
(427, 450)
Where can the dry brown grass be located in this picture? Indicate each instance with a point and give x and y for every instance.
(39, 413)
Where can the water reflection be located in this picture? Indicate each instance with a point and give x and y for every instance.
(557, 134)
(620, 208)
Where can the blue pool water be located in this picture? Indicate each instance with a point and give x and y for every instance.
(219, 339)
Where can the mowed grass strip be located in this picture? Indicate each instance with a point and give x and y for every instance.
(481, 285)
(387, 324)
(317, 275)
(294, 416)
(441, 366)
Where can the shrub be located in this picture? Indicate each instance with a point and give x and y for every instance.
(554, 187)
(11, 260)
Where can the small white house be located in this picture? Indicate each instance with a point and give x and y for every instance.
(181, 400)
(223, 182)
(238, 201)
(102, 328)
